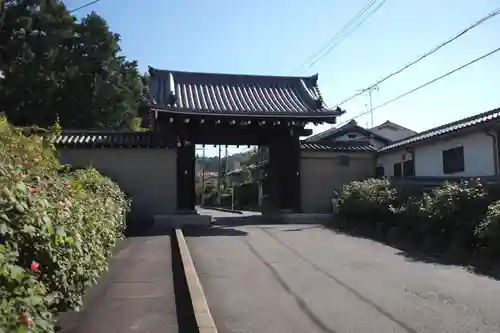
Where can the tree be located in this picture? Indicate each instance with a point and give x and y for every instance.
(33, 42)
(58, 69)
(106, 90)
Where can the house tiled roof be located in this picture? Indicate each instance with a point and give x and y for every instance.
(484, 118)
(339, 131)
(88, 139)
(339, 146)
(232, 94)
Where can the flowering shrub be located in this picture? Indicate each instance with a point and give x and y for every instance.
(455, 210)
(453, 216)
(370, 199)
(57, 228)
(24, 299)
(488, 231)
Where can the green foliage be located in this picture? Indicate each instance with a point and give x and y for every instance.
(66, 221)
(370, 199)
(455, 209)
(246, 195)
(488, 231)
(60, 70)
(452, 216)
(233, 161)
(23, 299)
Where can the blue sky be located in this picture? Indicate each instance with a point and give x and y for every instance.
(276, 36)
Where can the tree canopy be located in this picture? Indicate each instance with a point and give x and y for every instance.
(60, 69)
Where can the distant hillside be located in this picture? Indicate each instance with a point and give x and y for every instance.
(234, 161)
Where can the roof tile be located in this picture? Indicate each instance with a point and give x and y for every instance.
(482, 118)
(339, 146)
(89, 139)
(237, 94)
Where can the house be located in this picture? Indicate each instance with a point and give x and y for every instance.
(378, 136)
(392, 131)
(340, 155)
(465, 148)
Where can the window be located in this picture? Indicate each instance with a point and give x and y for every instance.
(453, 160)
(344, 160)
(351, 136)
(398, 172)
(408, 168)
(379, 172)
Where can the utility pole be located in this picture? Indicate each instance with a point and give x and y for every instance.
(218, 176)
(370, 91)
(203, 179)
(226, 168)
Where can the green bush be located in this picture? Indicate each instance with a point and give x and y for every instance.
(23, 298)
(454, 211)
(488, 231)
(451, 215)
(65, 221)
(371, 200)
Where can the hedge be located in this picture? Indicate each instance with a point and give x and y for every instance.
(453, 218)
(57, 228)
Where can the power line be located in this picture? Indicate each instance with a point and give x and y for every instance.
(424, 85)
(432, 51)
(84, 6)
(337, 43)
(340, 32)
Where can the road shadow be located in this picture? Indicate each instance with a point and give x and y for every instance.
(474, 265)
(211, 231)
(415, 252)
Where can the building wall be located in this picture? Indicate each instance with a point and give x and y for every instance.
(479, 157)
(387, 160)
(148, 176)
(321, 173)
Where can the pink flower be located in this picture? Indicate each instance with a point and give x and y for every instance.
(35, 189)
(35, 267)
(26, 319)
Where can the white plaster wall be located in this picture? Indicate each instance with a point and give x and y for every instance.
(478, 157)
(321, 174)
(149, 176)
(387, 160)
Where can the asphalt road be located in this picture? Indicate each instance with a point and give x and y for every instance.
(306, 279)
(135, 295)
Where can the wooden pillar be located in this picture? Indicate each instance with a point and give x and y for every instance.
(185, 177)
(274, 175)
(291, 185)
(284, 169)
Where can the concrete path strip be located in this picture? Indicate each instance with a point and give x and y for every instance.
(202, 313)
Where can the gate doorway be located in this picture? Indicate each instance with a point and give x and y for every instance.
(227, 109)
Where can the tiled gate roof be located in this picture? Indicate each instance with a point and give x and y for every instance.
(233, 94)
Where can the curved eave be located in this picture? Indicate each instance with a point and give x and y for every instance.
(327, 114)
